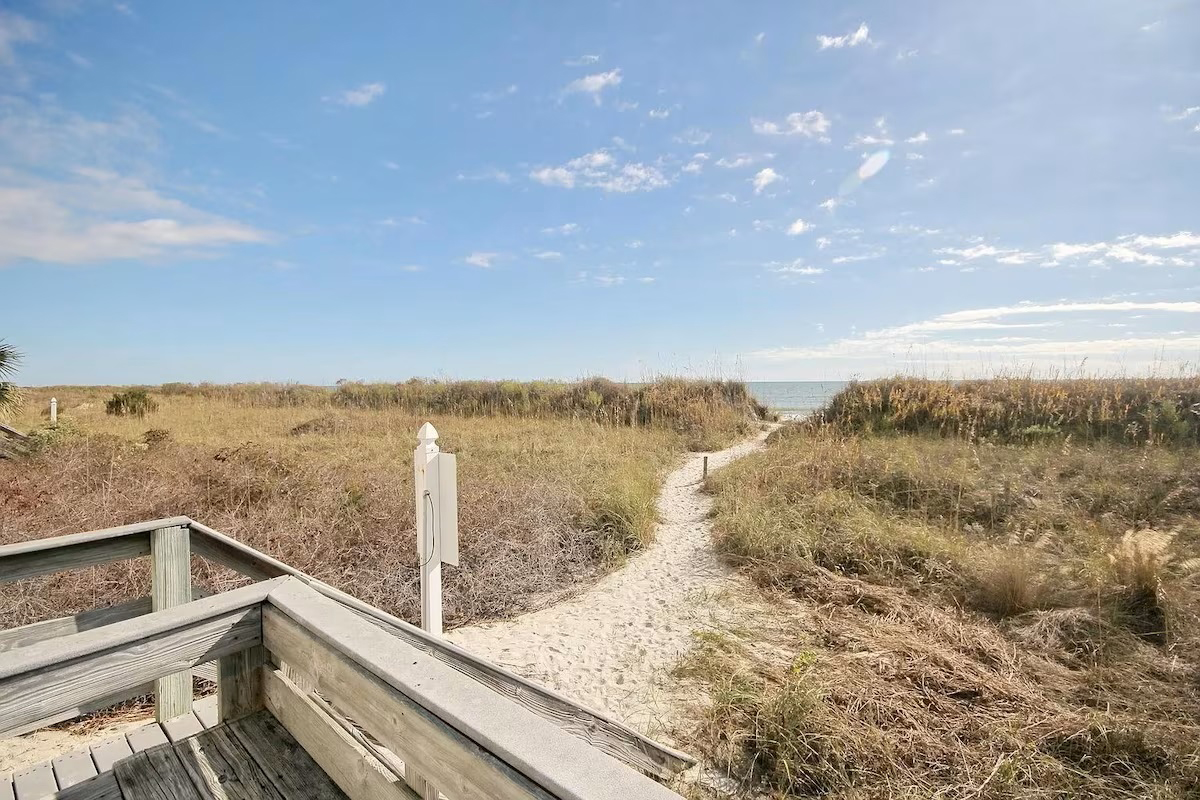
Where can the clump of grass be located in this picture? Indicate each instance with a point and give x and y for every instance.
(545, 504)
(1025, 409)
(130, 403)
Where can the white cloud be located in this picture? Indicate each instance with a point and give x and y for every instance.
(861, 35)
(823, 242)
(594, 84)
(797, 267)
(764, 178)
(566, 229)
(659, 113)
(635, 244)
(761, 225)
(496, 95)
(548, 255)
(760, 37)
(829, 204)
(920, 138)
(956, 132)
(812, 124)
(126, 9)
(359, 97)
(743, 160)
(869, 140)
(481, 259)
(15, 29)
(693, 136)
(728, 197)
(393, 222)
(798, 227)
(582, 61)
(914, 156)
(1171, 242)
(1187, 112)
(489, 174)
(601, 170)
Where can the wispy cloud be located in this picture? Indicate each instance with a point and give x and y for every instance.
(798, 227)
(496, 95)
(861, 35)
(594, 84)
(693, 136)
(659, 113)
(812, 124)
(566, 229)
(764, 178)
(794, 268)
(743, 160)
(358, 97)
(14, 30)
(582, 61)
(489, 174)
(600, 169)
(481, 259)
(548, 255)
(920, 138)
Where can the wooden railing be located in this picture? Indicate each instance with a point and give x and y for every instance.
(316, 658)
(11, 441)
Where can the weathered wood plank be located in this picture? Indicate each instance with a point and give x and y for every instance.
(64, 673)
(205, 710)
(356, 771)
(156, 774)
(106, 754)
(101, 787)
(290, 767)
(217, 761)
(145, 736)
(182, 727)
(73, 768)
(44, 556)
(460, 721)
(171, 586)
(35, 632)
(239, 684)
(34, 783)
(13, 432)
(608, 735)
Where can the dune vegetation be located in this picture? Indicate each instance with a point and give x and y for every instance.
(552, 491)
(978, 590)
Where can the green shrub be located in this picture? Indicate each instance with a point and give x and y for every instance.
(131, 403)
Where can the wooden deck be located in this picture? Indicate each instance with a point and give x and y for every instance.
(319, 695)
(251, 758)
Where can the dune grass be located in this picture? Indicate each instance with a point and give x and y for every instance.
(547, 501)
(962, 612)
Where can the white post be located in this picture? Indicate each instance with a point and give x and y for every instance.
(431, 565)
(53, 410)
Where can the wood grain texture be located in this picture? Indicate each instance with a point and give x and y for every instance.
(101, 787)
(73, 768)
(612, 737)
(291, 769)
(156, 774)
(171, 586)
(35, 632)
(123, 666)
(216, 761)
(345, 760)
(455, 764)
(44, 556)
(239, 684)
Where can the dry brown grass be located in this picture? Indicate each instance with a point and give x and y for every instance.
(546, 504)
(959, 617)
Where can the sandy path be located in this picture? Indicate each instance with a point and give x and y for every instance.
(613, 646)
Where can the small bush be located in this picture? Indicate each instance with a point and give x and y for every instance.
(156, 436)
(131, 403)
(324, 425)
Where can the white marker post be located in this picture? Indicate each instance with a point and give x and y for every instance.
(434, 486)
(53, 411)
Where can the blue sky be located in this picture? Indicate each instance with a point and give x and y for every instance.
(817, 190)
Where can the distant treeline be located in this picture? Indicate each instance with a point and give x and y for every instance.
(1161, 410)
(687, 405)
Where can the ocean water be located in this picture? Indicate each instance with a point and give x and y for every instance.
(794, 398)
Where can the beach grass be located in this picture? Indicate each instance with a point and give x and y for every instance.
(547, 501)
(964, 609)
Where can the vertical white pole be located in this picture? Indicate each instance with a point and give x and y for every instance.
(53, 410)
(431, 565)
(431, 572)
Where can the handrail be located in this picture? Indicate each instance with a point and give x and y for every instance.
(469, 740)
(611, 736)
(69, 672)
(44, 556)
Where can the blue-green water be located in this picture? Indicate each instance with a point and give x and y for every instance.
(794, 398)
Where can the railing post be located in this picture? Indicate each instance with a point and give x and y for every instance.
(170, 586)
(431, 572)
(53, 411)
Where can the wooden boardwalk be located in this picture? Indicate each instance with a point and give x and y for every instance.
(318, 694)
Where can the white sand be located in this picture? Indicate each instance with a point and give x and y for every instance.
(612, 647)
(49, 743)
